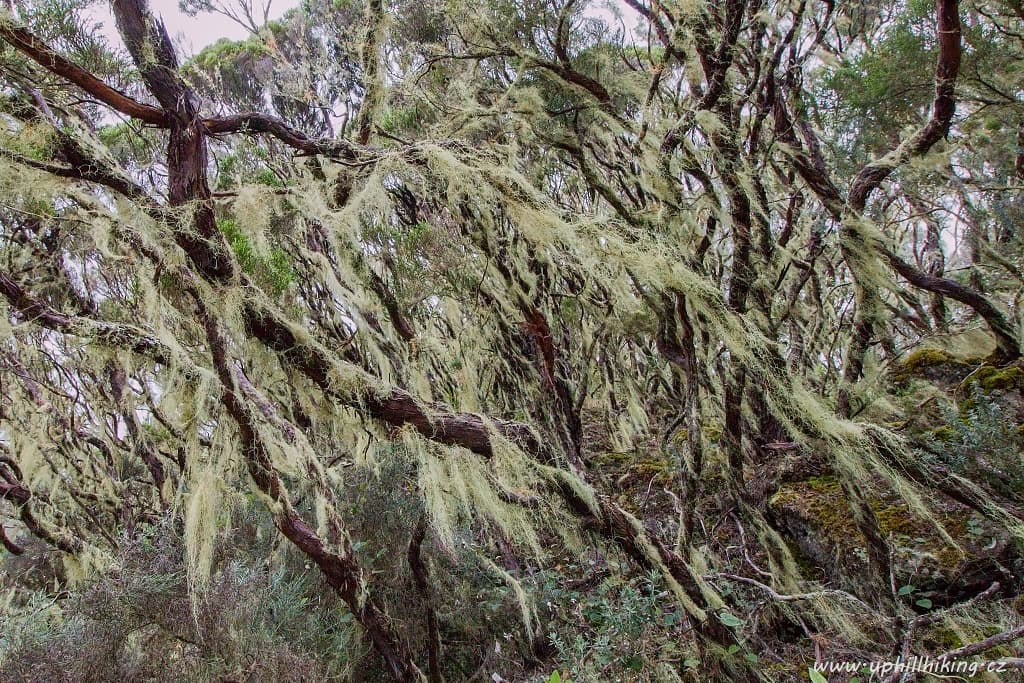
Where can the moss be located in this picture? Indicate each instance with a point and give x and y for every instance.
(986, 380)
(712, 431)
(825, 484)
(808, 569)
(897, 519)
(784, 671)
(964, 408)
(651, 468)
(921, 359)
(931, 363)
(991, 378)
(943, 638)
(943, 433)
(821, 502)
(612, 458)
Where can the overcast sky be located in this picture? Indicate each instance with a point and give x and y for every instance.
(192, 34)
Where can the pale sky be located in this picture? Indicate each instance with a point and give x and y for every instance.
(190, 34)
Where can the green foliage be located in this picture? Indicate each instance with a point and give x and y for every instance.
(247, 166)
(224, 53)
(272, 269)
(399, 119)
(135, 621)
(730, 620)
(978, 441)
(626, 628)
(907, 591)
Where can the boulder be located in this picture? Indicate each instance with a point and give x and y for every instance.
(815, 514)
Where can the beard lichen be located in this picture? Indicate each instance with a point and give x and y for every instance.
(521, 286)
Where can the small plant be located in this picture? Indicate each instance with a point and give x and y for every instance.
(626, 627)
(907, 591)
(137, 621)
(979, 442)
(273, 269)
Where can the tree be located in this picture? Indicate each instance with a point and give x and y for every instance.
(485, 242)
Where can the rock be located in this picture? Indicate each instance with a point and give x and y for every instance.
(815, 514)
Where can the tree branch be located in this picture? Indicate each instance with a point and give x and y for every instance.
(253, 122)
(943, 108)
(26, 43)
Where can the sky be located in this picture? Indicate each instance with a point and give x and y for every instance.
(190, 34)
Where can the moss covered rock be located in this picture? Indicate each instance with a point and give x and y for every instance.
(814, 512)
(991, 378)
(926, 362)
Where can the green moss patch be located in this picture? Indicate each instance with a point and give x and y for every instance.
(991, 378)
(816, 513)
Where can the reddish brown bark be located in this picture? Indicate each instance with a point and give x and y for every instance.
(421, 577)
(947, 34)
(49, 59)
